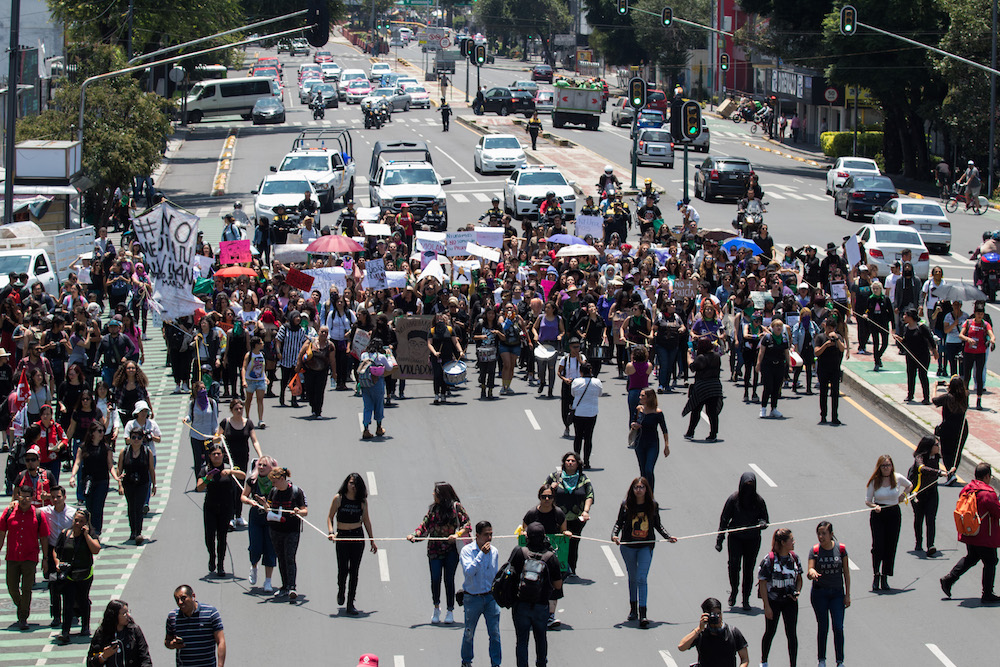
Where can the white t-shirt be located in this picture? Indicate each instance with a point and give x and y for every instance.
(58, 521)
(886, 496)
(586, 392)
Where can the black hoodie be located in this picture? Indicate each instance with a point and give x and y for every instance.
(744, 509)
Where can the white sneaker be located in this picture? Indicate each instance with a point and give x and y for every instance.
(253, 575)
(821, 663)
(449, 617)
(240, 522)
(436, 616)
(268, 588)
(763, 664)
(292, 594)
(184, 388)
(763, 413)
(775, 414)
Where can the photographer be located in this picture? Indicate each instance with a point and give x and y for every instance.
(718, 644)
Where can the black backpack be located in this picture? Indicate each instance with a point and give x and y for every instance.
(505, 585)
(534, 575)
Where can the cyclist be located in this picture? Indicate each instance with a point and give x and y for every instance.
(970, 179)
(495, 214)
(942, 176)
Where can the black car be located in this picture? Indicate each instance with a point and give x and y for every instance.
(541, 73)
(268, 110)
(863, 195)
(504, 101)
(722, 177)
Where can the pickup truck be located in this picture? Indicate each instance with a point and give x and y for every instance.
(44, 256)
(577, 106)
(415, 184)
(327, 159)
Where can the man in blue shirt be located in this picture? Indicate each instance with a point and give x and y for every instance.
(480, 562)
(195, 631)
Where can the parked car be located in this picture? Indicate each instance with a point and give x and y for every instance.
(544, 101)
(498, 152)
(863, 195)
(884, 244)
(655, 145)
(845, 167)
(504, 101)
(542, 73)
(268, 110)
(622, 112)
(923, 215)
(722, 176)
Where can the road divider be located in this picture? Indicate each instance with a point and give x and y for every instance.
(225, 165)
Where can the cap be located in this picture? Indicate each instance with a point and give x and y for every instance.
(404, 205)
(368, 660)
(803, 285)
(116, 321)
(453, 301)
(140, 406)
(33, 450)
(979, 308)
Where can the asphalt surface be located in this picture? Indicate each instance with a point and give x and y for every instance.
(497, 453)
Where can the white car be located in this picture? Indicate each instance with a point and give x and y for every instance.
(925, 216)
(286, 187)
(884, 245)
(845, 167)
(377, 70)
(331, 71)
(419, 97)
(415, 184)
(305, 89)
(498, 152)
(526, 188)
(346, 77)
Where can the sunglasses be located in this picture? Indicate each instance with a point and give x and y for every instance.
(30, 459)
(545, 496)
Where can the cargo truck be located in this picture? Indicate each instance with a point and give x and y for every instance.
(577, 106)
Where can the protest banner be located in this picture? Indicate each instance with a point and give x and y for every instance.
(376, 229)
(491, 237)
(480, 251)
(411, 353)
(299, 280)
(590, 224)
(360, 342)
(234, 252)
(457, 241)
(685, 288)
(325, 278)
(431, 242)
(375, 272)
(167, 236)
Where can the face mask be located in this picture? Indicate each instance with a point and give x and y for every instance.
(805, 318)
(202, 399)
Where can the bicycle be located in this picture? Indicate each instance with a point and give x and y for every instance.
(978, 207)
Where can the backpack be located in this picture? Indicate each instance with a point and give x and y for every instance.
(967, 519)
(505, 585)
(534, 575)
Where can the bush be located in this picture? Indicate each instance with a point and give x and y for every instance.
(516, 53)
(840, 144)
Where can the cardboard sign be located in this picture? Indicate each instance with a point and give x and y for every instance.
(853, 251)
(685, 288)
(395, 279)
(376, 229)
(758, 299)
(204, 265)
(411, 353)
(431, 242)
(325, 278)
(491, 237)
(480, 251)
(234, 252)
(590, 224)
(360, 342)
(368, 214)
(375, 272)
(838, 291)
(457, 242)
(299, 280)
(469, 265)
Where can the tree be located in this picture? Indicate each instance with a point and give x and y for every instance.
(671, 46)
(525, 19)
(614, 36)
(124, 130)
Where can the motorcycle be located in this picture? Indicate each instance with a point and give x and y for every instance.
(373, 119)
(744, 113)
(748, 222)
(318, 109)
(988, 274)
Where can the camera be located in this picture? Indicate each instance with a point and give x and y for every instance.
(63, 570)
(714, 618)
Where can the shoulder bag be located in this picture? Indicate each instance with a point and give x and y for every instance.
(572, 410)
(633, 435)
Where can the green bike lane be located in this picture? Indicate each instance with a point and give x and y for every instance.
(113, 566)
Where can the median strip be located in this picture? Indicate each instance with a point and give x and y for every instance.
(225, 165)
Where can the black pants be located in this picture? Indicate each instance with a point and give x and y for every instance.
(286, 546)
(974, 554)
(829, 384)
(217, 518)
(750, 368)
(534, 139)
(343, 359)
(925, 507)
(915, 368)
(885, 538)
(286, 377)
(349, 554)
(807, 363)
(788, 610)
(622, 358)
(880, 341)
(743, 552)
(772, 375)
(583, 436)
(565, 403)
(75, 599)
(574, 526)
(180, 366)
(951, 446)
(198, 447)
(488, 374)
(437, 367)
(444, 122)
(233, 384)
(135, 498)
(712, 410)
(975, 360)
(864, 329)
(315, 386)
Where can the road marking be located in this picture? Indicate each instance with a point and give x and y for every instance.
(372, 486)
(383, 565)
(470, 174)
(202, 212)
(397, 661)
(792, 195)
(816, 197)
(481, 197)
(531, 418)
(704, 418)
(939, 654)
(774, 195)
(763, 475)
(341, 121)
(667, 658)
(783, 187)
(462, 199)
(612, 561)
(851, 566)
(879, 422)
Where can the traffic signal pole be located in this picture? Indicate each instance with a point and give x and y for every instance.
(635, 146)
(686, 198)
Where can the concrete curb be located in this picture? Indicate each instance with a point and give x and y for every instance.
(811, 163)
(221, 179)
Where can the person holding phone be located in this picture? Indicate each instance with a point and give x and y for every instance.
(195, 631)
(118, 640)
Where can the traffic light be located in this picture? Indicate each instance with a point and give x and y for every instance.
(622, 7)
(319, 20)
(480, 55)
(667, 16)
(691, 118)
(724, 62)
(848, 20)
(637, 92)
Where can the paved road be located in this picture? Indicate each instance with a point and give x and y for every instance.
(497, 453)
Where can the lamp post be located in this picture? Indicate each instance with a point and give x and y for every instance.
(11, 124)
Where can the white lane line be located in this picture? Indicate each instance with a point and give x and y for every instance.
(667, 658)
(792, 195)
(939, 654)
(704, 418)
(774, 195)
(462, 199)
(612, 561)
(383, 565)
(202, 212)
(531, 418)
(851, 566)
(481, 197)
(783, 187)
(361, 423)
(397, 661)
(470, 174)
(817, 197)
(763, 475)
(372, 486)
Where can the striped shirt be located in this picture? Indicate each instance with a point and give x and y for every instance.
(290, 342)
(198, 632)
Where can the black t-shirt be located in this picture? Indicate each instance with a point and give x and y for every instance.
(552, 521)
(288, 499)
(774, 349)
(829, 360)
(720, 650)
(517, 557)
(218, 489)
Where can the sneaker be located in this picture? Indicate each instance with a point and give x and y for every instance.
(253, 575)
(566, 432)
(775, 414)
(436, 616)
(281, 592)
(184, 388)
(821, 663)
(292, 594)
(139, 539)
(989, 598)
(763, 413)
(268, 588)
(449, 617)
(262, 425)
(553, 622)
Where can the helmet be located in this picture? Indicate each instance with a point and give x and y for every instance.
(987, 236)
(996, 236)
(648, 181)
(680, 202)
(238, 204)
(496, 200)
(971, 163)
(608, 169)
(550, 193)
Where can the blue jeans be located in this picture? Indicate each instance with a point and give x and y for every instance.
(666, 361)
(486, 606)
(95, 498)
(637, 561)
(374, 400)
(633, 403)
(647, 456)
(261, 547)
(444, 567)
(829, 603)
(531, 619)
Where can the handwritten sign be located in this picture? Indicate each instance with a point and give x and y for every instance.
(758, 299)
(432, 242)
(204, 265)
(457, 242)
(299, 280)
(234, 252)
(395, 279)
(375, 274)
(685, 288)
(479, 251)
(167, 236)
(360, 342)
(590, 224)
(325, 278)
(376, 229)
(491, 237)
(411, 353)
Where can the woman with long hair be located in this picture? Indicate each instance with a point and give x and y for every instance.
(131, 386)
(136, 477)
(977, 334)
(772, 364)
(831, 589)
(648, 420)
(638, 517)
(95, 462)
(637, 371)
(202, 417)
(779, 581)
(344, 522)
(69, 392)
(924, 475)
(118, 638)
(73, 557)
(919, 346)
(487, 335)
(445, 518)
(215, 479)
(239, 433)
(256, 489)
(954, 428)
(444, 346)
(886, 489)
(513, 327)
(548, 330)
(574, 495)
(371, 380)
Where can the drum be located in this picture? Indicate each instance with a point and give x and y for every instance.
(599, 353)
(454, 372)
(544, 352)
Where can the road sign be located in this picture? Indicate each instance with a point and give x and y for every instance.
(831, 95)
(445, 43)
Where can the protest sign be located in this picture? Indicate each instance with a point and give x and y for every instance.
(480, 251)
(468, 264)
(286, 253)
(395, 279)
(299, 280)
(375, 272)
(368, 214)
(431, 242)
(325, 278)
(204, 265)
(360, 342)
(491, 237)
(758, 299)
(838, 290)
(547, 286)
(234, 252)
(167, 236)
(411, 353)
(685, 288)
(376, 229)
(433, 270)
(853, 251)
(590, 224)
(457, 241)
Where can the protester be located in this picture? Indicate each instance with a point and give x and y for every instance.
(574, 496)
(344, 522)
(744, 518)
(983, 545)
(202, 418)
(779, 581)
(59, 516)
(375, 364)
(480, 563)
(648, 420)
(95, 461)
(136, 475)
(256, 489)
(886, 490)
(830, 572)
(924, 475)
(585, 391)
(531, 611)
(216, 479)
(287, 508)
(238, 433)
(829, 347)
(28, 531)
(318, 359)
(954, 427)
(772, 363)
(706, 392)
(975, 333)
(74, 562)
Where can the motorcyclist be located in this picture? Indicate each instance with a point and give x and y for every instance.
(550, 206)
(309, 206)
(649, 191)
(348, 220)
(435, 220)
(495, 214)
(241, 218)
(991, 244)
(317, 105)
(608, 177)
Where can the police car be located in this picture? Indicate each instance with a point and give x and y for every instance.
(526, 188)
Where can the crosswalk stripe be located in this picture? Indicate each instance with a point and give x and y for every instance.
(201, 212)
(481, 197)
(816, 197)
(792, 195)
(774, 195)
(783, 187)
(462, 199)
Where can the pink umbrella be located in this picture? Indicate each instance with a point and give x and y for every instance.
(334, 243)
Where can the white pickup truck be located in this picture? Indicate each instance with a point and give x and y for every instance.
(44, 256)
(326, 157)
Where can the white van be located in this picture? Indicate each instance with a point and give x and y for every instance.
(229, 97)
(346, 76)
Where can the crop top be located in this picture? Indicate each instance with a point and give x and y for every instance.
(350, 511)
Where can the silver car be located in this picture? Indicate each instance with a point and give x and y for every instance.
(655, 145)
(305, 89)
(399, 99)
(622, 112)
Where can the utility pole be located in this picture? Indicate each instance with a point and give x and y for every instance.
(131, 8)
(14, 55)
(993, 104)
(373, 27)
